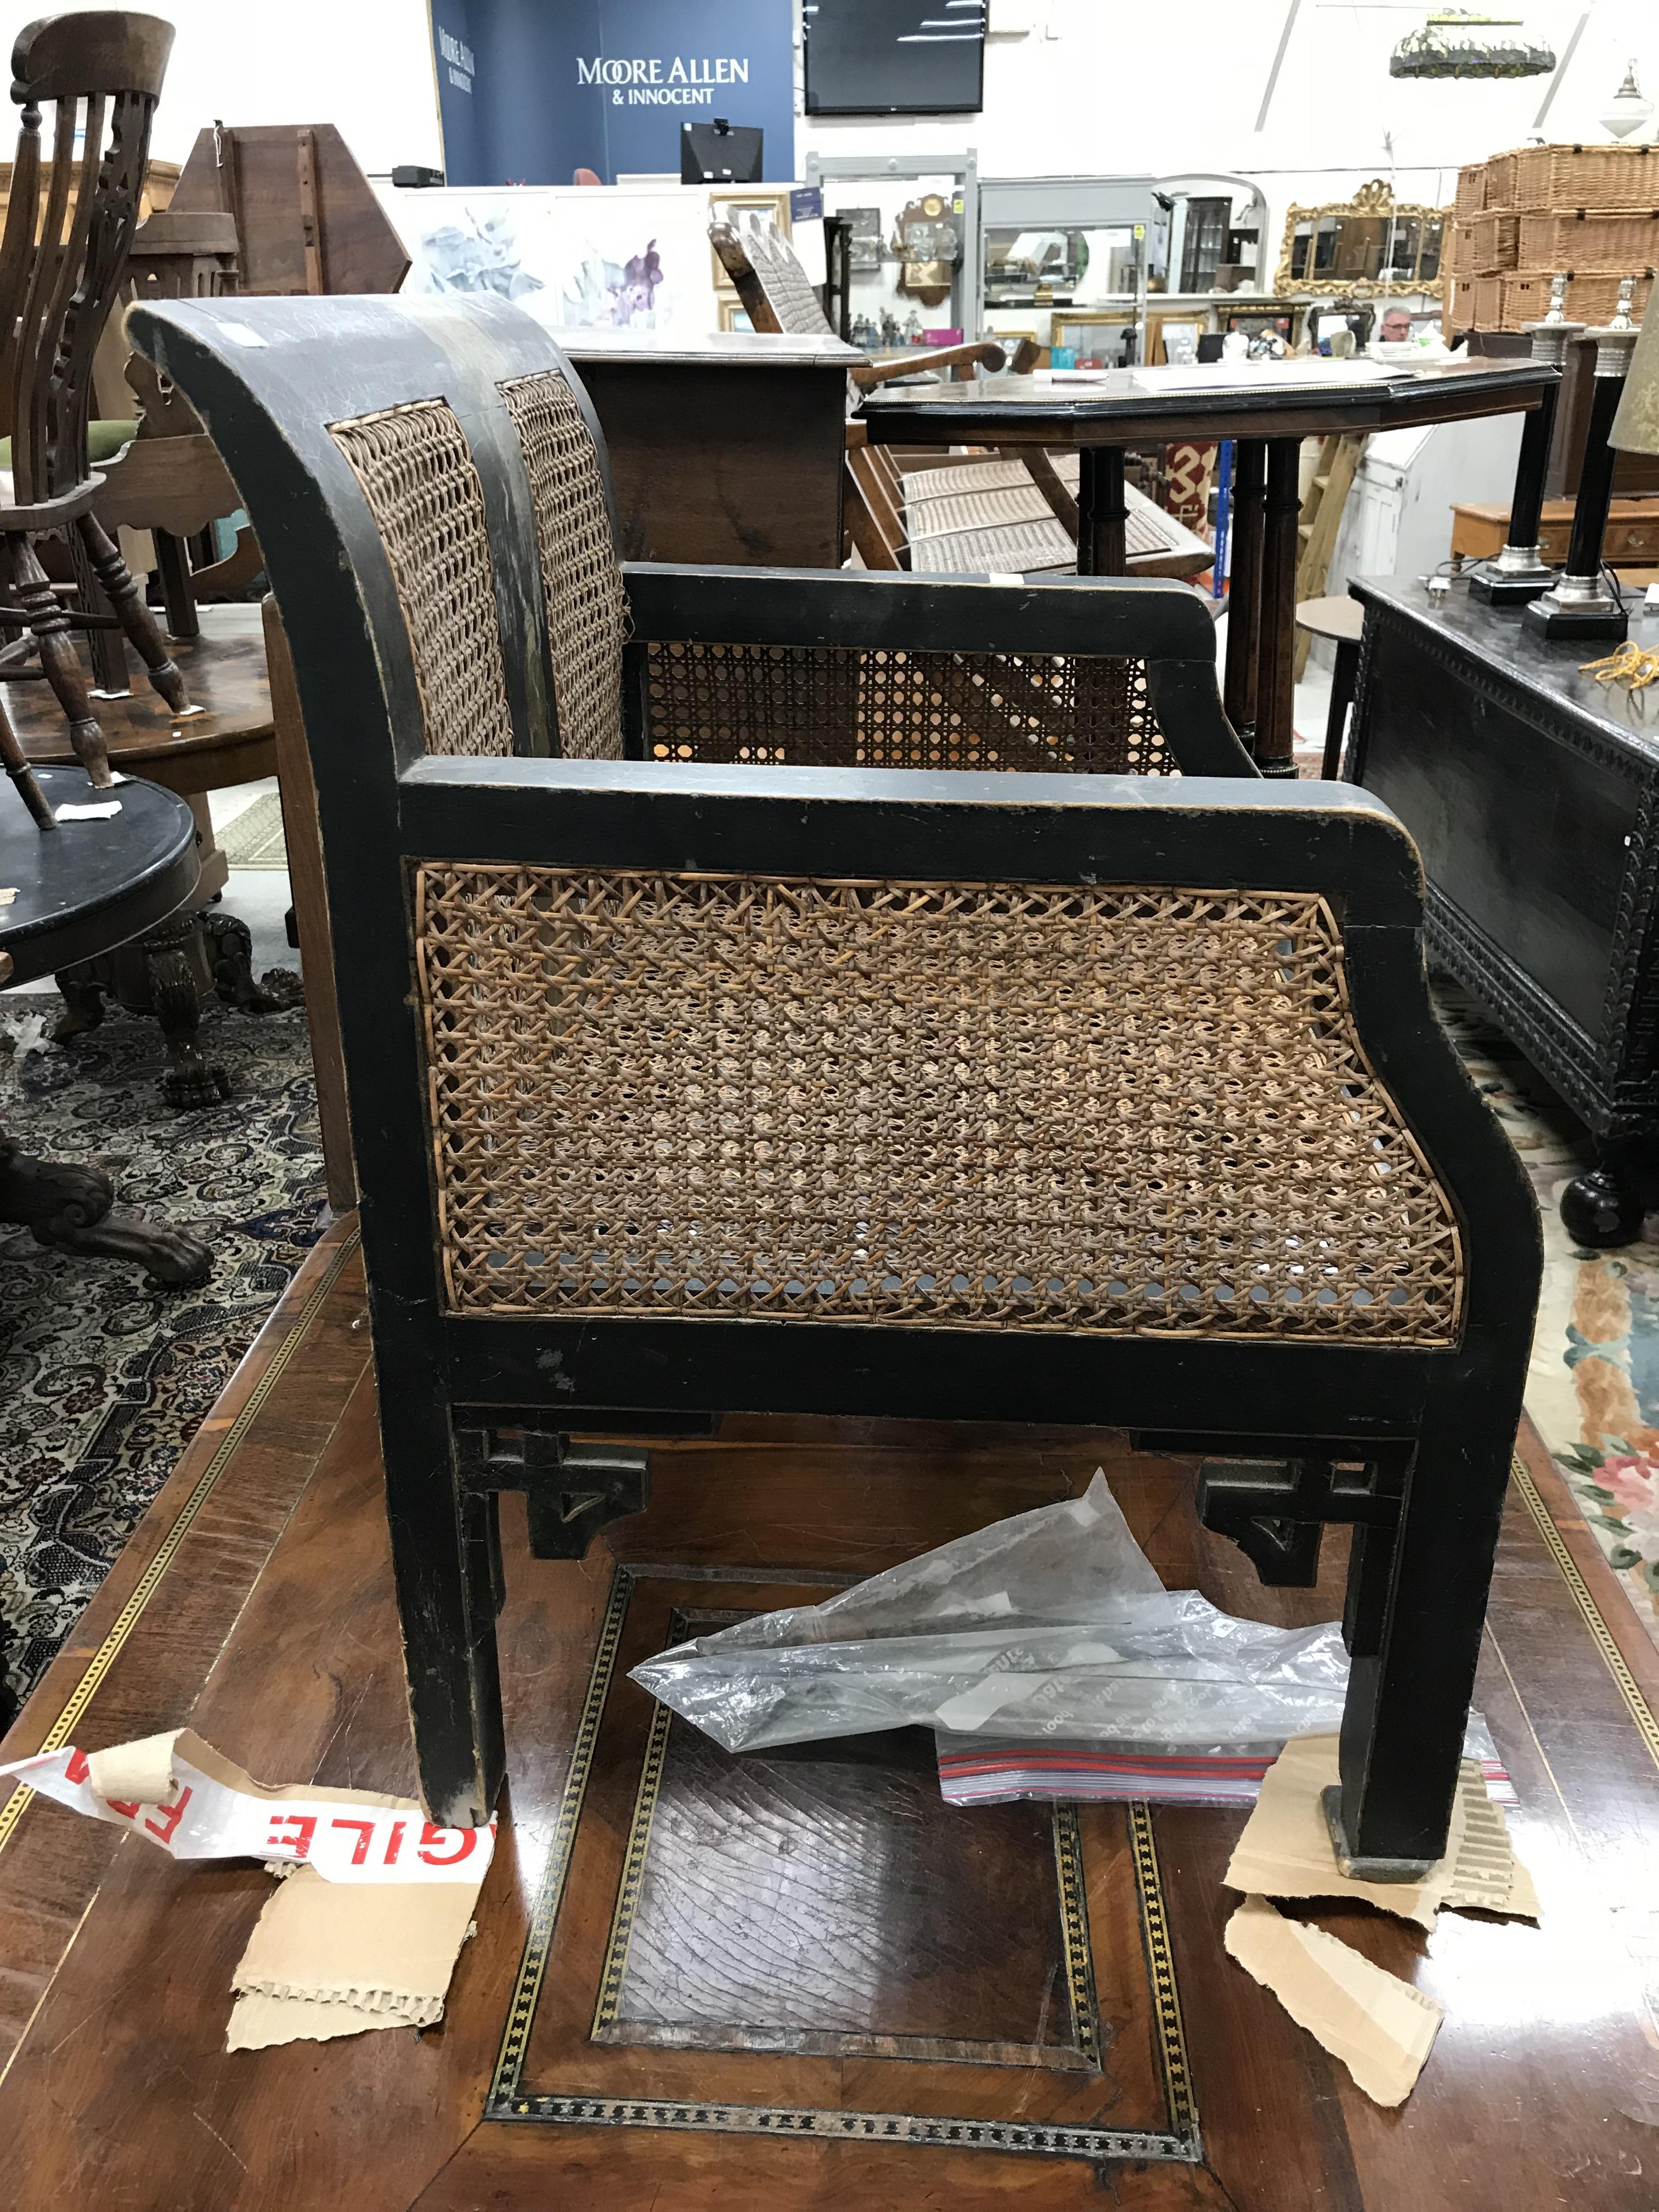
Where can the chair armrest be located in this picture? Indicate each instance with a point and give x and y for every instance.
(1154, 619)
(983, 353)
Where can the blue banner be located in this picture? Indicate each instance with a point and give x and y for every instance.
(529, 91)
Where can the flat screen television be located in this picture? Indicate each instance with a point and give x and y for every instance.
(893, 56)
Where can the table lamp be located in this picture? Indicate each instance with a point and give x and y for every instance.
(1583, 604)
(1520, 571)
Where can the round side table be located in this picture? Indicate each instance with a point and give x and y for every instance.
(76, 892)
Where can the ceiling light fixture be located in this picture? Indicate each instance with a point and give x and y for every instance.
(1454, 43)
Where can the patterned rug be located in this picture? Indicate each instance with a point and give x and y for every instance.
(1592, 1387)
(103, 1382)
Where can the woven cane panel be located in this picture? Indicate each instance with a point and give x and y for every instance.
(922, 484)
(803, 706)
(979, 510)
(968, 1104)
(788, 291)
(423, 489)
(1012, 548)
(586, 608)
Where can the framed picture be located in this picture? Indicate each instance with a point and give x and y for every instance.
(1172, 339)
(745, 207)
(1095, 341)
(1272, 315)
(574, 258)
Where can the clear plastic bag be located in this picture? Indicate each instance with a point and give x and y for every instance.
(1052, 1625)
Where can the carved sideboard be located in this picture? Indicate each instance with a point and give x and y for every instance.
(1530, 788)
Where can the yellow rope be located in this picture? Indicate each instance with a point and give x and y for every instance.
(1631, 664)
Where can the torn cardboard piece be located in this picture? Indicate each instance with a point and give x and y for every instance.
(1285, 1849)
(365, 1931)
(178, 1792)
(327, 1959)
(1379, 2026)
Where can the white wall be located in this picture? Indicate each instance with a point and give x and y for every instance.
(1114, 86)
(363, 65)
(1099, 86)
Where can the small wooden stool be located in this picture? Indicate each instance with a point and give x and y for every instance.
(1342, 621)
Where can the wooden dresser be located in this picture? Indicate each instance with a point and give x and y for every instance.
(1480, 529)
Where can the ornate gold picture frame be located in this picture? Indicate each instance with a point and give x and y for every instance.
(1366, 248)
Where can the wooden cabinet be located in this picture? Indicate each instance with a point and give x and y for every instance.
(1480, 529)
(725, 449)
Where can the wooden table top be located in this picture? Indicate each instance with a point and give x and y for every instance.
(232, 741)
(86, 886)
(715, 350)
(254, 1601)
(1127, 406)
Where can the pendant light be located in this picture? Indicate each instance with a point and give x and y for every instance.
(1626, 111)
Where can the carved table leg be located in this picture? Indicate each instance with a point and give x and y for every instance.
(135, 618)
(50, 628)
(82, 994)
(191, 1079)
(68, 1209)
(230, 950)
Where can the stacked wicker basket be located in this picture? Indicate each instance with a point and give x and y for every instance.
(1520, 218)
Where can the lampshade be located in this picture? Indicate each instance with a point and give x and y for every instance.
(1627, 111)
(1635, 426)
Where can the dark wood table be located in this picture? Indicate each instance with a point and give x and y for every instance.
(77, 891)
(1116, 409)
(232, 740)
(727, 448)
(1533, 792)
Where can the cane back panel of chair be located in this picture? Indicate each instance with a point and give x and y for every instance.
(970, 1105)
(419, 478)
(869, 707)
(586, 606)
(787, 287)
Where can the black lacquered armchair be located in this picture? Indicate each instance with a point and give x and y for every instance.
(768, 991)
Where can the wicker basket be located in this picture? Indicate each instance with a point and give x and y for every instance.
(1592, 296)
(1501, 181)
(1589, 238)
(1497, 245)
(1471, 191)
(1486, 300)
(1460, 253)
(1555, 177)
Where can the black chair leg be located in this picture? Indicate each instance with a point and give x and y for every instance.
(1408, 1700)
(443, 1563)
